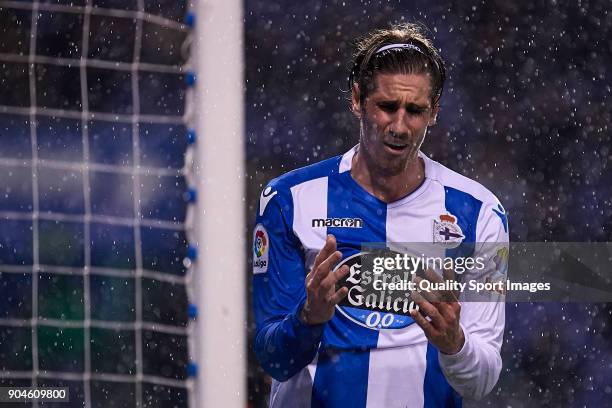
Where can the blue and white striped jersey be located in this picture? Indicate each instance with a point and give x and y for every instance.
(346, 363)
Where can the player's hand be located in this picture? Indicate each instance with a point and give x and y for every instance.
(321, 294)
(443, 309)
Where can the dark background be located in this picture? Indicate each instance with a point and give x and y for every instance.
(524, 112)
(72, 181)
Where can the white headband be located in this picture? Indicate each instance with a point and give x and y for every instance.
(391, 46)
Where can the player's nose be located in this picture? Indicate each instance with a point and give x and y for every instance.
(399, 123)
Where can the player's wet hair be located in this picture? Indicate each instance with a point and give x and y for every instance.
(403, 48)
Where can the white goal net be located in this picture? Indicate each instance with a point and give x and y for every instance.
(94, 126)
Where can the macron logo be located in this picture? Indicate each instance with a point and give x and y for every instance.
(337, 222)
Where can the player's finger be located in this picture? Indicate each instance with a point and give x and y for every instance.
(450, 276)
(339, 295)
(328, 248)
(430, 295)
(325, 268)
(335, 276)
(417, 296)
(423, 323)
(446, 295)
(432, 276)
(309, 276)
(448, 311)
(420, 300)
(432, 311)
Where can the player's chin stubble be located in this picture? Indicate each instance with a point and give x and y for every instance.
(377, 159)
(383, 164)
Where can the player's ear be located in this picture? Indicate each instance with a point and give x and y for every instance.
(355, 101)
(434, 115)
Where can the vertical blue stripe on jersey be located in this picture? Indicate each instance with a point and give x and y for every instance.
(346, 199)
(341, 379)
(437, 392)
(343, 201)
(466, 208)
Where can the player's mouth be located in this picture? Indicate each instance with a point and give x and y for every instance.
(395, 147)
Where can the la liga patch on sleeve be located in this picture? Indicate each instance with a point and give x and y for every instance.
(261, 248)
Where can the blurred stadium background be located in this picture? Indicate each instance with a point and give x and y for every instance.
(525, 111)
(92, 213)
(93, 123)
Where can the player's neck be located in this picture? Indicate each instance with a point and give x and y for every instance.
(385, 187)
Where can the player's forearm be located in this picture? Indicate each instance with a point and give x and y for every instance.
(474, 370)
(284, 347)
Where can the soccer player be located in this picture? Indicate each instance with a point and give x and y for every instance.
(321, 351)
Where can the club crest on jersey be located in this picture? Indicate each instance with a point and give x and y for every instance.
(447, 231)
(261, 246)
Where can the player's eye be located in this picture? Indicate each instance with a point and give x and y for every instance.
(388, 107)
(416, 110)
(413, 110)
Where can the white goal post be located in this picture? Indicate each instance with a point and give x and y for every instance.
(219, 275)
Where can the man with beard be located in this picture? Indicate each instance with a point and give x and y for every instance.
(312, 222)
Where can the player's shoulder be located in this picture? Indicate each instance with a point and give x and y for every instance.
(451, 179)
(279, 189)
(324, 168)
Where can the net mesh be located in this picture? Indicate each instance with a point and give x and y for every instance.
(93, 232)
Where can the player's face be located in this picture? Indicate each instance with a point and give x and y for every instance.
(394, 119)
